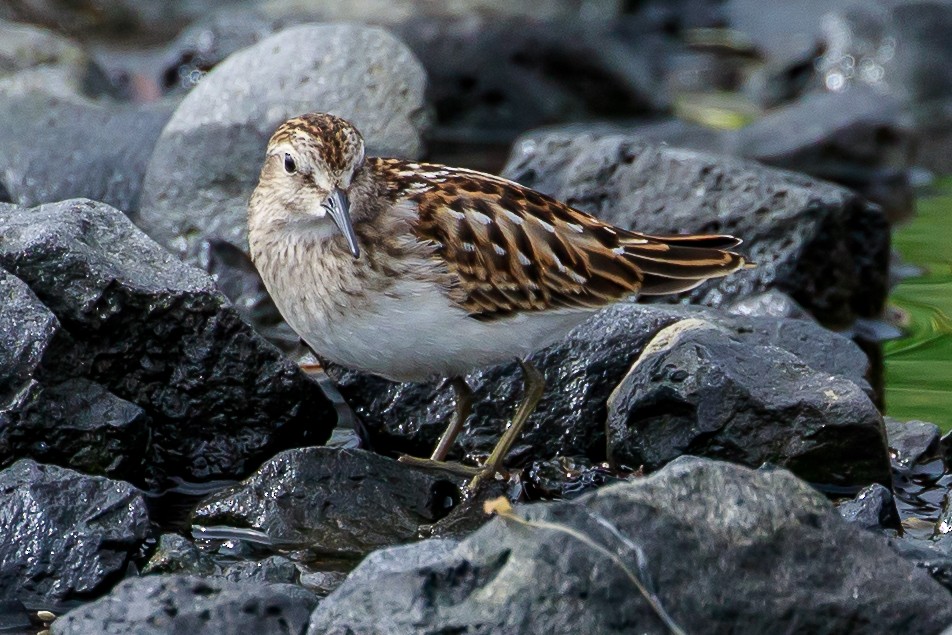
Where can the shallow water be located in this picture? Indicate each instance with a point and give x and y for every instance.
(919, 366)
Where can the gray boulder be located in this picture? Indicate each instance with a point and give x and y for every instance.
(695, 390)
(721, 547)
(133, 320)
(823, 245)
(208, 157)
(59, 146)
(331, 501)
(68, 536)
(175, 604)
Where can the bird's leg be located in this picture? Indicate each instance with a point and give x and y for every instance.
(464, 403)
(534, 384)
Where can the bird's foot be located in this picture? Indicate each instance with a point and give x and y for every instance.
(448, 466)
(483, 474)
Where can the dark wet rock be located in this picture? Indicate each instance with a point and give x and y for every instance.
(209, 156)
(173, 604)
(156, 333)
(823, 245)
(176, 554)
(566, 478)
(27, 330)
(721, 545)
(80, 424)
(772, 303)
(68, 536)
(75, 423)
(695, 390)
(911, 441)
(337, 502)
(873, 508)
(55, 147)
(14, 617)
(928, 557)
(580, 372)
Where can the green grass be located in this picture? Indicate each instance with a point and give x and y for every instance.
(919, 366)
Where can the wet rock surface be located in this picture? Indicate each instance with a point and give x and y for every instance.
(171, 377)
(207, 159)
(824, 246)
(744, 549)
(332, 501)
(694, 390)
(584, 369)
(873, 508)
(69, 536)
(171, 604)
(176, 554)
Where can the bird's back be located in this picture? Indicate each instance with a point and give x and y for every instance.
(513, 250)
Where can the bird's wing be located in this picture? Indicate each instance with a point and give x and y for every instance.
(515, 250)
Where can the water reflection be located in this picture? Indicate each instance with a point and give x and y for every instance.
(919, 366)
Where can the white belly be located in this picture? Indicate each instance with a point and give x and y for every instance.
(416, 333)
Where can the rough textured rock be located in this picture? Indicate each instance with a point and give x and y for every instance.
(340, 502)
(873, 508)
(927, 556)
(76, 423)
(721, 545)
(208, 158)
(821, 244)
(911, 441)
(80, 424)
(175, 554)
(695, 390)
(173, 604)
(55, 147)
(27, 329)
(580, 372)
(156, 333)
(68, 536)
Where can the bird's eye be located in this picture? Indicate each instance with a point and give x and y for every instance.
(289, 165)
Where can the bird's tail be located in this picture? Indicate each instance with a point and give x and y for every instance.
(672, 264)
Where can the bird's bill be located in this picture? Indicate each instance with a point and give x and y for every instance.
(338, 207)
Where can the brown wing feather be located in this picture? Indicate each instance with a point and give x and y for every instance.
(516, 250)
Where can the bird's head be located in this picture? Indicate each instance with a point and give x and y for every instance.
(310, 164)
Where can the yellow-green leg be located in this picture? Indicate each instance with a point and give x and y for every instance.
(464, 404)
(534, 385)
